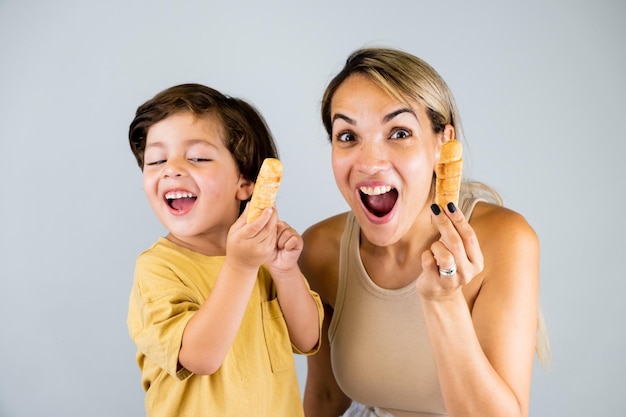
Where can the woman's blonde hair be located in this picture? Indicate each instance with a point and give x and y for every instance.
(405, 77)
(542, 346)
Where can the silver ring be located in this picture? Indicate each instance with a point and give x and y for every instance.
(448, 272)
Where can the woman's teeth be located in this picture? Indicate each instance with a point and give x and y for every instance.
(378, 190)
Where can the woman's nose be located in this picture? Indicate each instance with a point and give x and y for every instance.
(372, 158)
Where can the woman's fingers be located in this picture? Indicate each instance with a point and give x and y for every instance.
(444, 259)
(468, 237)
(459, 239)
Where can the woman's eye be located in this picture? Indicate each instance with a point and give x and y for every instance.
(345, 137)
(400, 134)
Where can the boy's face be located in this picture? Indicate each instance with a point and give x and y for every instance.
(191, 179)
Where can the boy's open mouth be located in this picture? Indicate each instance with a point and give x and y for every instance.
(180, 200)
(379, 200)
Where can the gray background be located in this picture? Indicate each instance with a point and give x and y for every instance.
(541, 90)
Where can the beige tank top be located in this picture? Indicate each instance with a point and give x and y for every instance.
(380, 352)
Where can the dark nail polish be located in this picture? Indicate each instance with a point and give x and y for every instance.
(451, 207)
(435, 208)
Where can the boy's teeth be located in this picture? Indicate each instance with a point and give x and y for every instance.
(178, 194)
(381, 189)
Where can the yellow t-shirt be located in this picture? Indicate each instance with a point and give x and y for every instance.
(257, 377)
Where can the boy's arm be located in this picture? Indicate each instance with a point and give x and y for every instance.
(300, 306)
(210, 333)
(302, 310)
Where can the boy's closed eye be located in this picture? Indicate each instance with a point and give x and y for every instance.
(157, 162)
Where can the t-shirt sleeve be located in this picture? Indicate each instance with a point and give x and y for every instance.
(320, 317)
(160, 307)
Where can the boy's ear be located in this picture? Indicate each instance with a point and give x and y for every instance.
(246, 186)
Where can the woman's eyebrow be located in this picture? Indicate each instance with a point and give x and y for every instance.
(343, 117)
(386, 119)
(393, 114)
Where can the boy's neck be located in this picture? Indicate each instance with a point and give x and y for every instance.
(201, 245)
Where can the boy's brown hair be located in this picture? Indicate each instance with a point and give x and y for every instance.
(247, 136)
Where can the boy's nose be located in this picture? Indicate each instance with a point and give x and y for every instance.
(172, 169)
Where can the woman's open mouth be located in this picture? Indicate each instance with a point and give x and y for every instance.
(378, 200)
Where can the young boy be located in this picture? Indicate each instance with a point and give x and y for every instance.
(219, 305)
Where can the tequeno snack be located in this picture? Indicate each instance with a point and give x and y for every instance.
(265, 188)
(448, 173)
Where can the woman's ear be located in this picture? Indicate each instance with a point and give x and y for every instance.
(445, 136)
(245, 189)
(448, 134)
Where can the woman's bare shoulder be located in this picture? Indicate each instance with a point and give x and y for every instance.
(509, 244)
(329, 228)
(319, 260)
(494, 221)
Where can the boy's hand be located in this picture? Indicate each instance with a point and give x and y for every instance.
(249, 245)
(289, 244)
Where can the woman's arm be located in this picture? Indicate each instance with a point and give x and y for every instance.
(484, 354)
(322, 395)
(319, 262)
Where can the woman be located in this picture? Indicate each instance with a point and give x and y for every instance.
(403, 337)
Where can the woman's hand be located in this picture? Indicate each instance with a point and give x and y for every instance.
(453, 260)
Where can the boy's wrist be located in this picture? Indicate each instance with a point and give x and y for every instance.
(240, 268)
(285, 274)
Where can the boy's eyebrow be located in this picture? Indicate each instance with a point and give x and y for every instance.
(153, 144)
(159, 144)
(199, 141)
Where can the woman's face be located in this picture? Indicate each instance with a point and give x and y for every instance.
(383, 154)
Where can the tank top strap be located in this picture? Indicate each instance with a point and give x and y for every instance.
(350, 232)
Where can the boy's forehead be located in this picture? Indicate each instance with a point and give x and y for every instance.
(187, 128)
